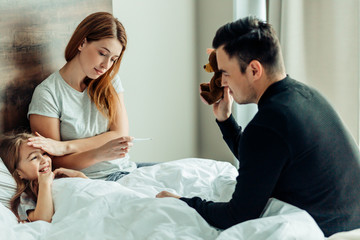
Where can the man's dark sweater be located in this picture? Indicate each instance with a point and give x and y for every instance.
(295, 149)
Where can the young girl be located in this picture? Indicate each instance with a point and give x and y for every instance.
(81, 106)
(32, 170)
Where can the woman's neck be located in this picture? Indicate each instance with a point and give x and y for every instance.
(72, 73)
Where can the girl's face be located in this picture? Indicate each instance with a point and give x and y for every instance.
(33, 162)
(97, 57)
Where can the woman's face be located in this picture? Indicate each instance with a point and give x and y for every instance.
(33, 162)
(98, 56)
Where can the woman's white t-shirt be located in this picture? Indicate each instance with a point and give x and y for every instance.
(79, 118)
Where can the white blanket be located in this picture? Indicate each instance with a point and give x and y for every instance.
(128, 209)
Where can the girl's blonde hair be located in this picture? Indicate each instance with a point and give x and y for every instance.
(97, 26)
(10, 147)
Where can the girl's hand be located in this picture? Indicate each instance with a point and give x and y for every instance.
(222, 109)
(65, 172)
(165, 194)
(113, 149)
(51, 146)
(46, 177)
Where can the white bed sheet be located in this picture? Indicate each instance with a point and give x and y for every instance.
(128, 209)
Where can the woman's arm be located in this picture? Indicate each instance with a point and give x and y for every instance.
(50, 127)
(86, 152)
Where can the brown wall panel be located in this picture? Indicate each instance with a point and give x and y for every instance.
(33, 36)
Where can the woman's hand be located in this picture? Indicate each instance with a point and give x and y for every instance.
(114, 149)
(222, 109)
(51, 146)
(164, 194)
(65, 172)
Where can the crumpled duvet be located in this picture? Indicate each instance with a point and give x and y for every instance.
(128, 209)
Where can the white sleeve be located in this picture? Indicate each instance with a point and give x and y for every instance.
(44, 103)
(116, 82)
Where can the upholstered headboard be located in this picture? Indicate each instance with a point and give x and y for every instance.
(33, 36)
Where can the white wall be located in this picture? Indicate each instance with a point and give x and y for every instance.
(161, 72)
(211, 14)
(158, 74)
(321, 47)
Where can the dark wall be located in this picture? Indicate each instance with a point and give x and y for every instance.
(33, 37)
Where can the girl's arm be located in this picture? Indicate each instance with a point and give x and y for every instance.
(44, 209)
(85, 152)
(69, 173)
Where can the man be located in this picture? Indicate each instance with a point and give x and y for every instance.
(295, 149)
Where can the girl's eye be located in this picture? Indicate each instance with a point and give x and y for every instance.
(101, 54)
(113, 60)
(33, 158)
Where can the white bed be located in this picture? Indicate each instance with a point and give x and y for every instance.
(128, 209)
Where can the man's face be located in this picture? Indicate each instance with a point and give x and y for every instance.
(240, 84)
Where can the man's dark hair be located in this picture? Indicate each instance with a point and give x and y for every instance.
(250, 39)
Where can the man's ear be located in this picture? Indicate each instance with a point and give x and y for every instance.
(256, 69)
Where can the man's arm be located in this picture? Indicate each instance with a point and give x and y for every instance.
(262, 158)
(228, 126)
(232, 133)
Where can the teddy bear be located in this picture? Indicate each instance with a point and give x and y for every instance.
(212, 92)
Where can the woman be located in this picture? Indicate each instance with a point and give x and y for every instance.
(82, 104)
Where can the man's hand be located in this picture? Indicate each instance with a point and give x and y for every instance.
(165, 194)
(222, 109)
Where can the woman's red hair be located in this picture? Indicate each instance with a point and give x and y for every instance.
(95, 27)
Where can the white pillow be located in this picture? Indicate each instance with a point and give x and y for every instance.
(6, 216)
(7, 185)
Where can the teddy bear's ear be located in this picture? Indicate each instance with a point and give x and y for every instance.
(209, 50)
